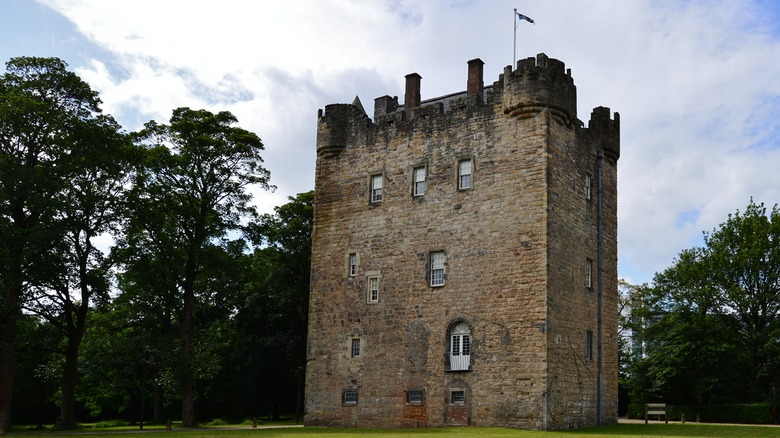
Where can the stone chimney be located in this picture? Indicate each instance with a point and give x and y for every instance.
(475, 85)
(412, 96)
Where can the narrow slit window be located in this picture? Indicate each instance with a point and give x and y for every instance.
(589, 345)
(588, 187)
(588, 273)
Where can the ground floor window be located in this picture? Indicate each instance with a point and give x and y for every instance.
(414, 396)
(349, 397)
(458, 397)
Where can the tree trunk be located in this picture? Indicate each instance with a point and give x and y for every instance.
(187, 393)
(69, 378)
(7, 362)
(157, 417)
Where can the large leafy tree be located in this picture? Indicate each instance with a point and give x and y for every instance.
(270, 350)
(192, 191)
(52, 140)
(713, 330)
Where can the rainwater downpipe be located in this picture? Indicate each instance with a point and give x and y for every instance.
(599, 283)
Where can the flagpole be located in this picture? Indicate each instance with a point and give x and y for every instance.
(514, 47)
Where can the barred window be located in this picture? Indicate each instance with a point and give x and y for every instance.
(414, 396)
(458, 397)
(349, 397)
(589, 345)
(438, 260)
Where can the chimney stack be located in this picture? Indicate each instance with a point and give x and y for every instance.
(475, 85)
(412, 96)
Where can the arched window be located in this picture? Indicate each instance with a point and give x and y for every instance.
(460, 347)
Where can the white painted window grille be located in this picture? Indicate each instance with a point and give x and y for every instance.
(419, 181)
(464, 174)
(589, 273)
(356, 347)
(458, 397)
(373, 289)
(589, 345)
(438, 260)
(588, 188)
(349, 397)
(376, 188)
(414, 397)
(352, 264)
(460, 347)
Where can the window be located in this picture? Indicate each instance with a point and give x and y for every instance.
(460, 347)
(418, 178)
(352, 264)
(588, 188)
(458, 397)
(356, 347)
(588, 273)
(414, 396)
(376, 188)
(438, 259)
(464, 174)
(349, 397)
(589, 345)
(373, 290)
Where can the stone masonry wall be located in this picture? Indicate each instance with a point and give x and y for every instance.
(515, 245)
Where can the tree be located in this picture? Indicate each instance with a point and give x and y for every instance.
(52, 133)
(270, 350)
(195, 183)
(715, 332)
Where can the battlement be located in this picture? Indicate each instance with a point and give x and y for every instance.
(605, 132)
(536, 84)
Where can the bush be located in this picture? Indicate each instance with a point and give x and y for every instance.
(105, 424)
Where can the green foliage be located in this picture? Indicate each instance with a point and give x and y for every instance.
(710, 327)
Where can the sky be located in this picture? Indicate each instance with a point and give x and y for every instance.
(696, 82)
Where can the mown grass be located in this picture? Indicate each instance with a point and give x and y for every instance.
(618, 431)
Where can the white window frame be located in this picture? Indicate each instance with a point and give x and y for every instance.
(588, 187)
(372, 292)
(414, 396)
(352, 262)
(460, 347)
(589, 273)
(376, 184)
(465, 174)
(438, 274)
(419, 181)
(355, 347)
(349, 397)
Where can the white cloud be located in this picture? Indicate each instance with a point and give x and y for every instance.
(696, 82)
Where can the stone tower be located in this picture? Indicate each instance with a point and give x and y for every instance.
(464, 263)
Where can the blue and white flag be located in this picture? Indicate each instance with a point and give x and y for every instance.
(523, 17)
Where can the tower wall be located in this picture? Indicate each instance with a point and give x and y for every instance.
(508, 268)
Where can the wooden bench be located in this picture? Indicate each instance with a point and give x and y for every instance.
(656, 409)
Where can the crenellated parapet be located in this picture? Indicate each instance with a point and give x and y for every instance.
(337, 124)
(539, 84)
(604, 132)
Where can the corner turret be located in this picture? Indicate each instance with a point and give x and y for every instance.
(540, 83)
(336, 124)
(605, 132)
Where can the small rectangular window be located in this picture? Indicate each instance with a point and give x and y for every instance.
(414, 397)
(438, 260)
(458, 397)
(376, 188)
(588, 188)
(349, 397)
(373, 289)
(352, 264)
(418, 188)
(464, 174)
(589, 273)
(356, 347)
(589, 345)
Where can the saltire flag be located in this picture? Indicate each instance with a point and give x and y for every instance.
(523, 17)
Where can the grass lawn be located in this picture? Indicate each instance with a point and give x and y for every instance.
(617, 431)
